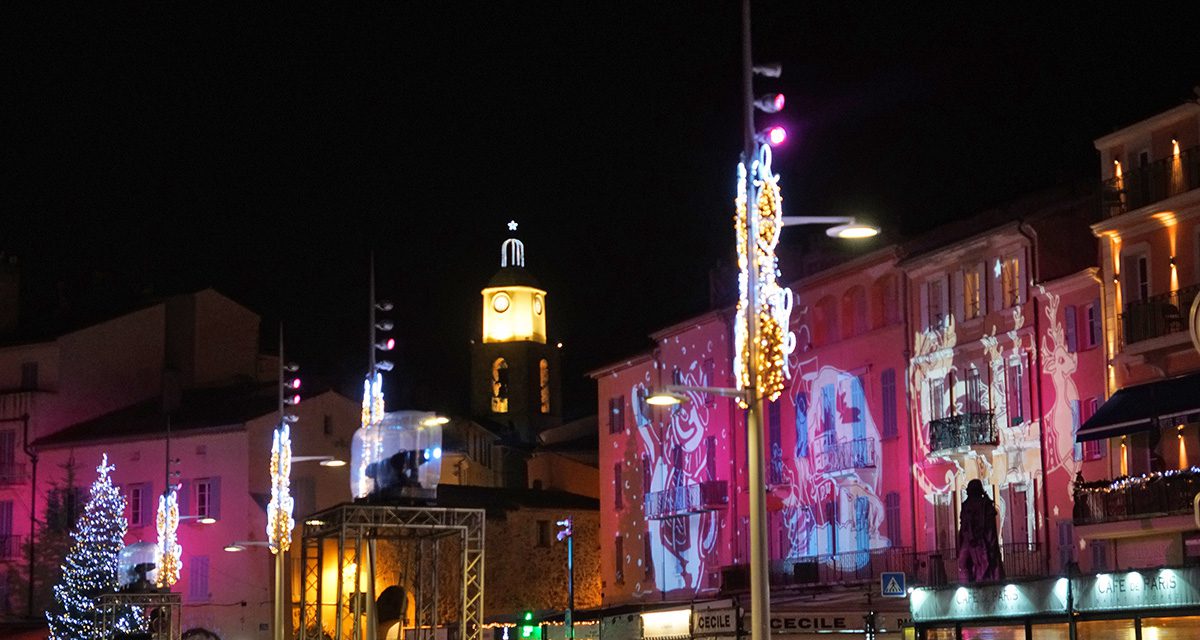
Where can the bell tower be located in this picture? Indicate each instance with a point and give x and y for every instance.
(514, 372)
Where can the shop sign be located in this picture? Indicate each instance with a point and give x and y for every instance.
(1155, 588)
(714, 622)
(666, 624)
(989, 601)
(784, 622)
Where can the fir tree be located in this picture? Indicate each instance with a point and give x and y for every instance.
(90, 568)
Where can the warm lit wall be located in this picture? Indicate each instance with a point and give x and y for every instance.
(553, 471)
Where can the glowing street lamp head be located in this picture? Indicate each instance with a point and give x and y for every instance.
(666, 399)
(776, 135)
(333, 462)
(852, 231)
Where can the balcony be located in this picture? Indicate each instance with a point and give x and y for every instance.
(963, 431)
(1142, 186)
(1018, 559)
(1157, 316)
(850, 567)
(1154, 495)
(688, 499)
(10, 547)
(847, 456)
(12, 473)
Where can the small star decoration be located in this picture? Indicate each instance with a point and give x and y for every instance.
(512, 225)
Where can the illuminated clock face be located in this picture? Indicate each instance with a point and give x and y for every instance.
(537, 305)
(500, 302)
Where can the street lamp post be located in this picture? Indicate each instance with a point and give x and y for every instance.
(568, 532)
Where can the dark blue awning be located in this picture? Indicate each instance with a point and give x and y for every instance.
(1145, 406)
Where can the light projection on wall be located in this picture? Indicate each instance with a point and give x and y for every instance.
(1060, 364)
(758, 230)
(983, 398)
(678, 459)
(828, 479)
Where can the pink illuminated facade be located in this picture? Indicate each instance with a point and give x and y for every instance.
(973, 352)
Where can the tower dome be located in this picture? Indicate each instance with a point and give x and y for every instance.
(514, 303)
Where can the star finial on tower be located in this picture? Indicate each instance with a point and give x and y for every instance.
(512, 225)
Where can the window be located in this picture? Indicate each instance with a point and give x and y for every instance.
(976, 392)
(1093, 449)
(935, 303)
(8, 452)
(887, 383)
(1091, 319)
(618, 494)
(1014, 387)
(1071, 328)
(8, 545)
(198, 578)
(327, 425)
(647, 474)
(1018, 529)
(937, 398)
(831, 514)
(708, 370)
(619, 548)
(891, 517)
(616, 414)
(774, 444)
(1099, 555)
(710, 458)
(801, 404)
(854, 312)
(1066, 544)
(1135, 273)
(206, 493)
(647, 555)
(544, 533)
(140, 506)
(29, 376)
(973, 293)
(944, 526)
(544, 384)
(500, 386)
(1010, 281)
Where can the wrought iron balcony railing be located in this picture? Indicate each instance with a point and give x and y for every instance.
(1018, 560)
(12, 473)
(10, 546)
(1157, 316)
(692, 498)
(846, 455)
(849, 567)
(963, 430)
(1159, 180)
(1156, 494)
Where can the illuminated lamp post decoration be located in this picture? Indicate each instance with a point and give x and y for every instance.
(280, 520)
(761, 295)
(372, 401)
(169, 554)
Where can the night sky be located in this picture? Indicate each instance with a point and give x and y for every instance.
(265, 150)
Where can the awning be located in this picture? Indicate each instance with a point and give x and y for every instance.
(1143, 407)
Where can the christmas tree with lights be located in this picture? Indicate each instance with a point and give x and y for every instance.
(90, 568)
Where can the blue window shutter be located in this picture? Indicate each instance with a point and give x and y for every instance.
(149, 505)
(214, 497)
(184, 496)
(1071, 328)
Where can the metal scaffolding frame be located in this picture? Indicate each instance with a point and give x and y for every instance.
(356, 528)
(166, 604)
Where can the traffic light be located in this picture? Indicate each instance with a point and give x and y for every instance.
(774, 135)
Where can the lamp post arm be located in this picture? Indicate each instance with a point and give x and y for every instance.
(789, 221)
(725, 392)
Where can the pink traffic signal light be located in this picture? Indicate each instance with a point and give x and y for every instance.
(776, 136)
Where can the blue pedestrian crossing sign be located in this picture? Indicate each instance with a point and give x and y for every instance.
(891, 584)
